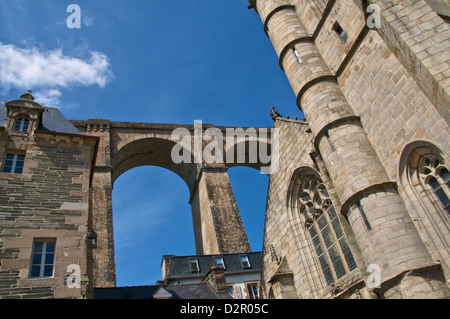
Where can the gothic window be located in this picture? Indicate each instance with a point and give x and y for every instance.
(436, 177)
(324, 227)
(425, 183)
(21, 125)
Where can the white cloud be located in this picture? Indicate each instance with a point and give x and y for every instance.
(50, 70)
(48, 97)
(87, 20)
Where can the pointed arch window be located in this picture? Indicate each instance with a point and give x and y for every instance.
(424, 180)
(436, 177)
(325, 230)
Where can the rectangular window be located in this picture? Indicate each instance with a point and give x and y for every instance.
(253, 291)
(330, 141)
(363, 215)
(21, 125)
(43, 259)
(299, 59)
(193, 262)
(230, 291)
(219, 262)
(238, 292)
(245, 262)
(338, 29)
(13, 163)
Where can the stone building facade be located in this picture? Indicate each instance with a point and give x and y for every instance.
(360, 205)
(45, 184)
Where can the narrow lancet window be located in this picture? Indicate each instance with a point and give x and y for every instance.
(363, 215)
(299, 59)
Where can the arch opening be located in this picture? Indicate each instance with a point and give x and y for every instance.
(155, 152)
(150, 206)
(250, 189)
(253, 153)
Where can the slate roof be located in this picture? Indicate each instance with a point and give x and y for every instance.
(187, 291)
(52, 120)
(179, 266)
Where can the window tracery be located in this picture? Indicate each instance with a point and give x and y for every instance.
(325, 230)
(435, 175)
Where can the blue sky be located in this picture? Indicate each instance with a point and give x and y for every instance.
(155, 61)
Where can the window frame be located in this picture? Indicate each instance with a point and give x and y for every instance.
(245, 264)
(238, 293)
(15, 161)
(194, 261)
(252, 293)
(317, 210)
(222, 264)
(42, 263)
(431, 169)
(297, 55)
(23, 121)
(230, 289)
(337, 28)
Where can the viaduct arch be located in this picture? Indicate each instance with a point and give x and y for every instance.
(218, 227)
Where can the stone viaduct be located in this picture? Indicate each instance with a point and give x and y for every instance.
(218, 226)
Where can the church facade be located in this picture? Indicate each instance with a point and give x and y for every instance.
(359, 207)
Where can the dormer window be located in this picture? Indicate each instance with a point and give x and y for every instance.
(245, 262)
(194, 266)
(24, 115)
(21, 124)
(219, 262)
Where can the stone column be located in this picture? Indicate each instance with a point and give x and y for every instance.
(382, 226)
(218, 226)
(102, 223)
(101, 220)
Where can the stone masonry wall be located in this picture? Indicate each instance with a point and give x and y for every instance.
(420, 39)
(290, 264)
(295, 146)
(393, 109)
(48, 201)
(351, 152)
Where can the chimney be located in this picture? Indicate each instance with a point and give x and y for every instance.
(215, 276)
